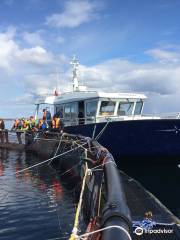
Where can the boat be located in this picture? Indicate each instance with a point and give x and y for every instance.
(116, 120)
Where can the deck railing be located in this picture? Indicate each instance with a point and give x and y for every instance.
(88, 120)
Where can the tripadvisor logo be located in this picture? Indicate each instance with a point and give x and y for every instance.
(139, 231)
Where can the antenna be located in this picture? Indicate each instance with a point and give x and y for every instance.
(75, 65)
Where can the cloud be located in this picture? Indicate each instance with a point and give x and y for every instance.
(115, 75)
(76, 12)
(33, 38)
(8, 48)
(39, 84)
(164, 55)
(36, 55)
(13, 55)
(123, 75)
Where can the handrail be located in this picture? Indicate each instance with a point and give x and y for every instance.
(91, 119)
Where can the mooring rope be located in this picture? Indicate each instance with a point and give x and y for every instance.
(94, 131)
(57, 148)
(102, 131)
(50, 159)
(76, 221)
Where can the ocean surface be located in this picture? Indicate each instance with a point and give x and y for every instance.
(33, 204)
(161, 178)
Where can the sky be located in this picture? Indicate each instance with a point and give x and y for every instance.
(122, 46)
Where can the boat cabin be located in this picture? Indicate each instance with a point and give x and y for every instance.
(89, 107)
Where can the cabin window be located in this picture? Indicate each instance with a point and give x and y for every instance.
(59, 111)
(73, 110)
(125, 109)
(91, 108)
(107, 108)
(138, 108)
(70, 110)
(67, 111)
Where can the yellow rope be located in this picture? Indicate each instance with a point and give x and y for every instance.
(76, 221)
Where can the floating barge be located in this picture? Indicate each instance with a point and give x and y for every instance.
(15, 142)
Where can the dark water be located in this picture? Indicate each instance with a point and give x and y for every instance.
(160, 178)
(35, 204)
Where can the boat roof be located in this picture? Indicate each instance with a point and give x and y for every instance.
(87, 95)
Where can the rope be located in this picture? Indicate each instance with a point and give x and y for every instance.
(50, 159)
(102, 131)
(100, 195)
(92, 169)
(94, 131)
(103, 229)
(47, 139)
(57, 148)
(62, 174)
(76, 221)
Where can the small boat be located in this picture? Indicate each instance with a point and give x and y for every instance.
(116, 120)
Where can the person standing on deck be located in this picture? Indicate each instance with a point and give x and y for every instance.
(57, 124)
(47, 117)
(32, 123)
(2, 127)
(17, 126)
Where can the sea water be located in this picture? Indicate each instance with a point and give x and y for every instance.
(34, 204)
(161, 178)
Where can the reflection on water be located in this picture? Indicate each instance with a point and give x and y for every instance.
(160, 178)
(33, 204)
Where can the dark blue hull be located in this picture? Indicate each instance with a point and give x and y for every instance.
(136, 138)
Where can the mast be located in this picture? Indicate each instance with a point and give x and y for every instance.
(75, 65)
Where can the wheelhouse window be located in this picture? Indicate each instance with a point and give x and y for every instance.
(138, 108)
(70, 110)
(91, 108)
(107, 108)
(59, 111)
(74, 110)
(125, 109)
(67, 111)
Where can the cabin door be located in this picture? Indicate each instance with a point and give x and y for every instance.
(81, 115)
